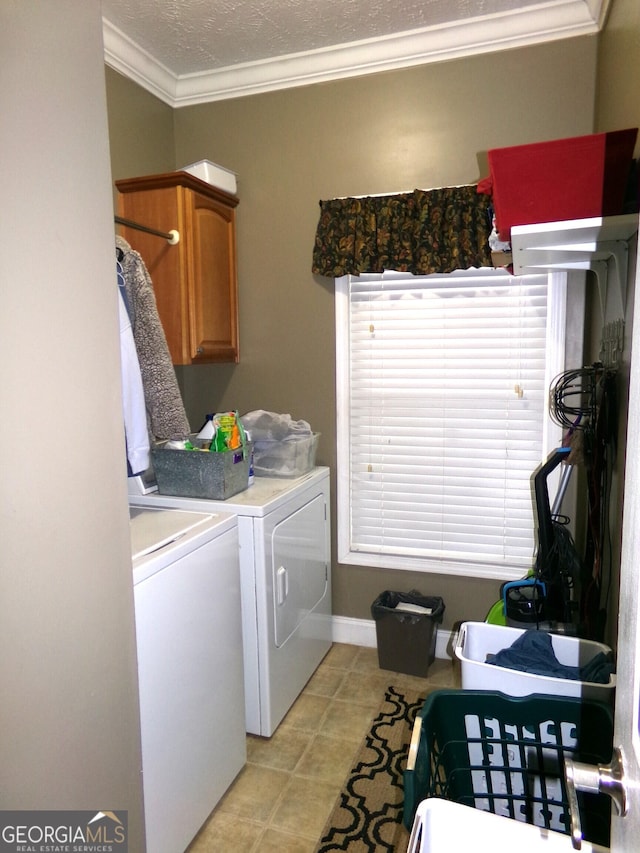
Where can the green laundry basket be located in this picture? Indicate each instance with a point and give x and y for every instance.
(505, 755)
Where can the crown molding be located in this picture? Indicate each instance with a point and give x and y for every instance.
(521, 28)
(599, 9)
(124, 55)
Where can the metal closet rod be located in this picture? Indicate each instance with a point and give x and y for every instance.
(172, 237)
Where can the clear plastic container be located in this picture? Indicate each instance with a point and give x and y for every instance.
(293, 456)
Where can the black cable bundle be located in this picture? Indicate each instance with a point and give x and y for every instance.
(573, 398)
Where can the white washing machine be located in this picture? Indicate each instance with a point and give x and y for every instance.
(285, 567)
(190, 669)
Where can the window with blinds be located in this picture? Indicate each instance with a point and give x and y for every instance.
(443, 418)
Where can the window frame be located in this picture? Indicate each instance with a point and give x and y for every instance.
(559, 332)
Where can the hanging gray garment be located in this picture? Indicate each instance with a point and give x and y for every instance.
(165, 410)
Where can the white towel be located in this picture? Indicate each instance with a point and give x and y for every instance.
(133, 406)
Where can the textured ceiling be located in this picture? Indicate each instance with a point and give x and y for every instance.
(238, 45)
(198, 35)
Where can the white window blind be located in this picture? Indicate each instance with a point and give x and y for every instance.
(442, 407)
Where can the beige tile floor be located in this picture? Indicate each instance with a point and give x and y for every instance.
(280, 801)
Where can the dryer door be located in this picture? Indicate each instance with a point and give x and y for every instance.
(300, 562)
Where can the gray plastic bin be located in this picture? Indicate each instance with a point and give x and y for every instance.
(406, 633)
(195, 474)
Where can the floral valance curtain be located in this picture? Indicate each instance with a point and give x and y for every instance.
(422, 232)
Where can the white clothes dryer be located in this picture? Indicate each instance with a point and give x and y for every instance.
(285, 567)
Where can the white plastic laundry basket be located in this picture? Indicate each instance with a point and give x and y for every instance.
(476, 640)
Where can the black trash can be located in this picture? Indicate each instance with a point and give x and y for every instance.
(406, 630)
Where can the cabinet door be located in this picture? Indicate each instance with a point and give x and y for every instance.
(159, 208)
(213, 310)
(195, 281)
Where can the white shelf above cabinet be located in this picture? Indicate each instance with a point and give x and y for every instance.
(599, 244)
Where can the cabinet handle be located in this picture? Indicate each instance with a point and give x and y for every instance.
(199, 350)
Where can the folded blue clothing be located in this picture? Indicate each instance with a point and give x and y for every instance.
(533, 652)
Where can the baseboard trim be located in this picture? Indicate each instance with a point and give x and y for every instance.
(362, 632)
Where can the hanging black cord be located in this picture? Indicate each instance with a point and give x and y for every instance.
(585, 401)
(597, 567)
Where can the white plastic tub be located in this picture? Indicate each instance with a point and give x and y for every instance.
(213, 174)
(441, 826)
(476, 640)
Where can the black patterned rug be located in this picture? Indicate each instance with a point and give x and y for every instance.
(367, 815)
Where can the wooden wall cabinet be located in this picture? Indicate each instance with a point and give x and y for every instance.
(195, 281)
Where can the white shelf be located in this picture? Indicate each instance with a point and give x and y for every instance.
(600, 245)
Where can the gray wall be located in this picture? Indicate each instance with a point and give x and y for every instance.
(421, 127)
(618, 104)
(141, 138)
(69, 722)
